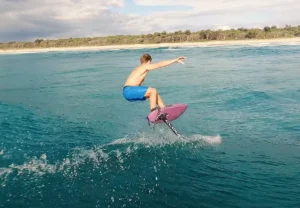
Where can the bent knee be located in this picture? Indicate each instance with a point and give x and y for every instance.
(152, 90)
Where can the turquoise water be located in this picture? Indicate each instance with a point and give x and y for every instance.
(69, 139)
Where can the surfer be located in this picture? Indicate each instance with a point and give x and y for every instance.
(133, 91)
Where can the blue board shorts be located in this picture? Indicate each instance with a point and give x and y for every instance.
(134, 93)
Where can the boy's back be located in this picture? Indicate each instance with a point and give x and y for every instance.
(137, 76)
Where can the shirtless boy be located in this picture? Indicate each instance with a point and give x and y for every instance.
(133, 91)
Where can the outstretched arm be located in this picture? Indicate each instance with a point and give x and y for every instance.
(165, 63)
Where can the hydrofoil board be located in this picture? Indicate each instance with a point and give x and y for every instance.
(167, 114)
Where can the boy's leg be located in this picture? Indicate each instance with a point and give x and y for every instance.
(160, 102)
(154, 98)
(151, 93)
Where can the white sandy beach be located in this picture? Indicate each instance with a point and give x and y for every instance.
(138, 46)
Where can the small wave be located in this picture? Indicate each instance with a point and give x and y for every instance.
(99, 157)
(104, 157)
(243, 45)
(176, 49)
(168, 139)
(114, 49)
(260, 44)
(266, 44)
(36, 165)
(148, 141)
(39, 166)
(293, 43)
(23, 52)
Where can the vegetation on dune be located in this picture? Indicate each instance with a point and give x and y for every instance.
(163, 37)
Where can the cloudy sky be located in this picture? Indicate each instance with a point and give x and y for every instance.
(27, 20)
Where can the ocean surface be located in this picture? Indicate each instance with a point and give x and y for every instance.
(68, 138)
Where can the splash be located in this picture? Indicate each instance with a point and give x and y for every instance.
(103, 157)
(69, 166)
(208, 139)
(4, 173)
(161, 138)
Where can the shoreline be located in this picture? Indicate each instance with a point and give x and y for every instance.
(141, 46)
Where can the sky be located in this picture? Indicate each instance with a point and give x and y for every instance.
(27, 20)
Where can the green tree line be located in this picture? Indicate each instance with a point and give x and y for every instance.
(163, 37)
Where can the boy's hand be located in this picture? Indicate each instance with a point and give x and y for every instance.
(180, 59)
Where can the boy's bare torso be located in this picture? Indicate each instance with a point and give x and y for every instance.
(137, 76)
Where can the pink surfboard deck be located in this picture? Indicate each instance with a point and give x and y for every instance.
(173, 112)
